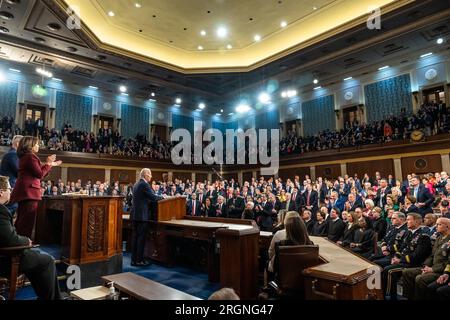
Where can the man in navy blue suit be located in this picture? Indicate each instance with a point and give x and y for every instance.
(9, 167)
(193, 206)
(140, 216)
(423, 196)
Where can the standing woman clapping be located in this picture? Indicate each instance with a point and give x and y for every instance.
(27, 191)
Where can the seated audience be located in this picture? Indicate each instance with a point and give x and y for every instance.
(38, 268)
(416, 280)
(363, 238)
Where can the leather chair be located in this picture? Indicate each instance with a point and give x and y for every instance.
(290, 263)
(14, 254)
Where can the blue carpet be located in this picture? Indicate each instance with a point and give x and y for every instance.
(189, 281)
(180, 278)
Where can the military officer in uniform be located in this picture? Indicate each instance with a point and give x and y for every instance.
(392, 240)
(412, 253)
(416, 280)
(440, 289)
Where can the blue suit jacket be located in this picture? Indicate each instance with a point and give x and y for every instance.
(10, 166)
(142, 194)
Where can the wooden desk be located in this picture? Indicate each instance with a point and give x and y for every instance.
(342, 275)
(142, 288)
(89, 229)
(231, 245)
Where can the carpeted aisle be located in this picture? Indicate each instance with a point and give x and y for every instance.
(180, 278)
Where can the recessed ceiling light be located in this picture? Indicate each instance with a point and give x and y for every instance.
(200, 48)
(291, 93)
(314, 8)
(229, 46)
(242, 108)
(439, 41)
(257, 37)
(93, 87)
(382, 68)
(317, 88)
(221, 110)
(111, 14)
(315, 81)
(201, 106)
(203, 33)
(123, 89)
(178, 100)
(283, 24)
(264, 97)
(44, 73)
(222, 32)
(152, 94)
(14, 70)
(426, 54)
(348, 78)
(57, 79)
(137, 5)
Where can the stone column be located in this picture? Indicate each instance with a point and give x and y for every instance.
(312, 173)
(445, 159)
(398, 169)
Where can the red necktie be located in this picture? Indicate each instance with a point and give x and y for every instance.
(307, 199)
(293, 196)
(193, 208)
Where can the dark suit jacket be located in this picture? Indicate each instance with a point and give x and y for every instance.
(236, 211)
(313, 198)
(298, 199)
(142, 194)
(335, 229)
(9, 166)
(198, 208)
(349, 234)
(424, 195)
(209, 212)
(381, 197)
(292, 206)
(265, 216)
(8, 237)
(223, 213)
(310, 226)
(28, 184)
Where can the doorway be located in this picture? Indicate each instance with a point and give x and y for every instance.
(106, 122)
(350, 115)
(433, 95)
(34, 121)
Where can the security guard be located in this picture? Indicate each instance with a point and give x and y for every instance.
(416, 280)
(392, 240)
(412, 253)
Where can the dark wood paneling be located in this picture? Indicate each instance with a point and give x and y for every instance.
(328, 171)
(247, 176)
(159, 175)
(54, 174)
(229, 176)
(201, 177)
(85, 174)
(385, 167)
(123, 176)
(292, 172)
(421, 164)
(182, 175)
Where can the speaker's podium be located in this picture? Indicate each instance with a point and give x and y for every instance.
(86, 229)
(227, 249)
(171, 208)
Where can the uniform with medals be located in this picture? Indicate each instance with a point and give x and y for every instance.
(412, 253)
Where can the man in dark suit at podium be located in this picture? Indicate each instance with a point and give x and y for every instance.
(140, 215)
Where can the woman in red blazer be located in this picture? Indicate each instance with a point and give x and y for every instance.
(27, 191)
